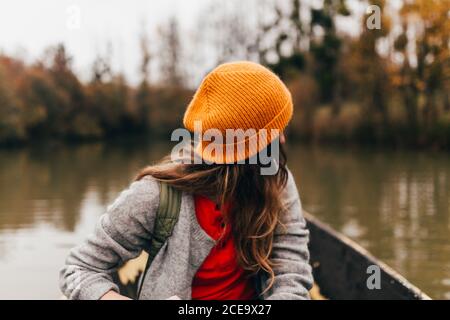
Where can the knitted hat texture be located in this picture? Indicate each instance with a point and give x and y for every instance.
(239, 95)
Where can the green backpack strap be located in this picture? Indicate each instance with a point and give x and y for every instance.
(165, 220)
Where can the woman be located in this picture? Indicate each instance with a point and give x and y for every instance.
(240, 234)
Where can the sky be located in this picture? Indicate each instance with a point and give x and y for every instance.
(86, 27)
(27, 27)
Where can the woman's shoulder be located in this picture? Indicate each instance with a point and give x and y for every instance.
(293, 213)
(145, 184)
(144, 188)
(291, 186)
(290, 192)
(140, 196)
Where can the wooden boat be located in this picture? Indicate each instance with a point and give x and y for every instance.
(339, 267)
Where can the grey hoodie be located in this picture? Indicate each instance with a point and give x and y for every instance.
(126, 229)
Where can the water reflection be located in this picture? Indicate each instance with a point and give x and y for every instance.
(50, 184)
(396, 204)
(50, 200)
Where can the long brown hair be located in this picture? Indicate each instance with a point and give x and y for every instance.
(254, 202)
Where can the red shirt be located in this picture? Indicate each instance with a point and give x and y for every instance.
(219, 277)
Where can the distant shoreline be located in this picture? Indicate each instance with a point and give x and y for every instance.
(164, 137)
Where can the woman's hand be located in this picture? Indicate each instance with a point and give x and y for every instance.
(112, 295)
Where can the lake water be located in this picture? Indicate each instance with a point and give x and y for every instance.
(395, 204)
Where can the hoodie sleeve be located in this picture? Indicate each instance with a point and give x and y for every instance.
(290, 254)
(120, 235)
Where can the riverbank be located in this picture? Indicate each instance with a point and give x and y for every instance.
(47, 103)
(367, 141)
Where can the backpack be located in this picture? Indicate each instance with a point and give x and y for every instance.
(165, 220)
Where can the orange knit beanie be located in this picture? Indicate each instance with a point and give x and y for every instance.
(239, 95)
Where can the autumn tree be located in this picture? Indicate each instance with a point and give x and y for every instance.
(12, 126)
(289, 29)
(326, 48)
(143, 95)
(170, 59)
(367, 69)
(424, 72)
